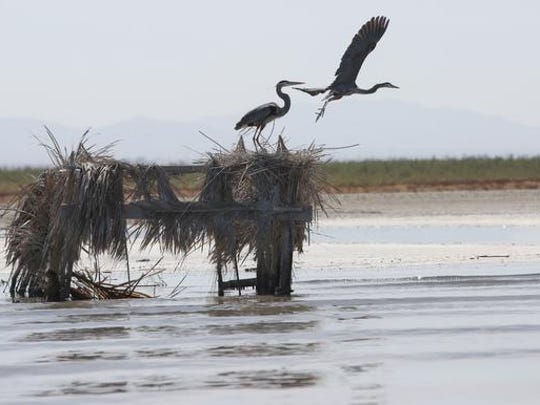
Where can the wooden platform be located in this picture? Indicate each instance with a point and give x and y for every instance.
(274, 259)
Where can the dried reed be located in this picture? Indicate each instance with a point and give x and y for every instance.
(79, 204)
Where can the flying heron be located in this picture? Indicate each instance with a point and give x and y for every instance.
(344, 84)
(263, 114)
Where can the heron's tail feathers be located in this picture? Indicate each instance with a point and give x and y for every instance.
(311, 91)
(238, 125)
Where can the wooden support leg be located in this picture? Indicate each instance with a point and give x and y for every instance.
(52, 290)
(219, 278)
(237, 275)
(266, 278)
(263, 270)
(286, 248)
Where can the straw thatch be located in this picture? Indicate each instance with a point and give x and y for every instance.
(80, 204)
(281, 178)
(173, 232)
(44, 242)
(88, 284)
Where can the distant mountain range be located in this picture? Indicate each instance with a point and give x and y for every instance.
(383, 129)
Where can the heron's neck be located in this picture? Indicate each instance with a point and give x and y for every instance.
(286, 99)
(371, 90)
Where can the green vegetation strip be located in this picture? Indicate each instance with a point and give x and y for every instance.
(370, 173)
(373, 173)
(11, 180)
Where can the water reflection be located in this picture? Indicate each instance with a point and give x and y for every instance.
(262, 379)
(251, 308)
(352, 342)
(111, 332)
(169, 330)
(87, 388)
(263, 350)
(99, 317)
(365, 383)
(159, 383)
(261, 327)
(84, 356)
(360, 368)
(161, 353)
(368, 394)
(357, 317)
(255, 379)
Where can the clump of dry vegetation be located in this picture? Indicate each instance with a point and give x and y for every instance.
(44, 240)
(80, 204)
(260, 180)
(88, 284)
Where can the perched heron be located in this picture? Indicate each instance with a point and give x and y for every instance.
(263, 114)
(344, 84)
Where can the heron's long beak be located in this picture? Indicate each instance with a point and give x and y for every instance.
(393, 87)
(295, 83)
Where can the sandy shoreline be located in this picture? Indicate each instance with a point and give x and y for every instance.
(436, 203)
(496, 209)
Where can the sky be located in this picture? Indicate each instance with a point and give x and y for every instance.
(92, 63)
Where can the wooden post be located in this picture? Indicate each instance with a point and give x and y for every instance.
(128, 267)
(265, 272)
(235, 259)
(286, 250)
(57, 280)
(240, 284)
(266, 277)
(220, 278)
(51, 290)
(279, 271)
(287, 232)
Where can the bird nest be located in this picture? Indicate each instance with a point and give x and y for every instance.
(261, 179)
(79, 205)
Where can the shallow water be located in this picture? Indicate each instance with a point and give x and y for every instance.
(466, 333)
(433, 233)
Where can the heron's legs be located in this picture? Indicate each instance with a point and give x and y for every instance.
(329, 97)
(266, 139)
(320, 112)
(257, 137)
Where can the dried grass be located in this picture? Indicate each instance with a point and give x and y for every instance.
(45, 239)
(88, 285)
(262, 179)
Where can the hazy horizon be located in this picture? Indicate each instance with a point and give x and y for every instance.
(413, 132)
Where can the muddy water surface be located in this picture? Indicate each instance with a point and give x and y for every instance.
(453, 332)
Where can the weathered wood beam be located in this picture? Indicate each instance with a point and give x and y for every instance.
(242, 283)
(149, 210)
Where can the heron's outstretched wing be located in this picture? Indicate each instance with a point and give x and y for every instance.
(362, 44)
